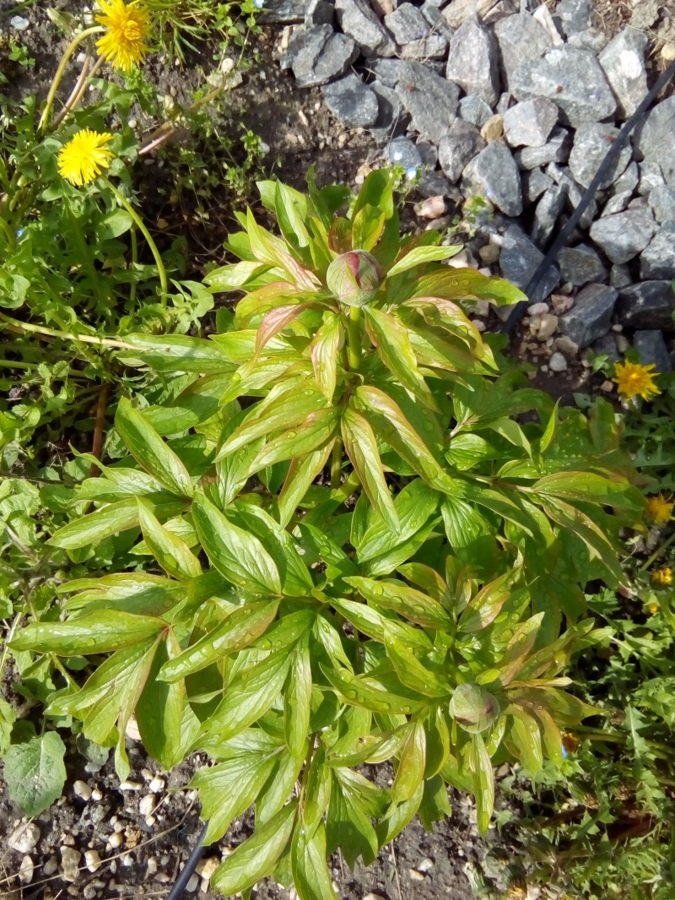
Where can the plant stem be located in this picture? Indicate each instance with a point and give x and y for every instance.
(659, 550)
(354, 338)
(336, 465)
(161, 271)
(28, 328)
(72, 47)
(82, 84)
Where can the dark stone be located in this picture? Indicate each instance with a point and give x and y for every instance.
(591, 316)
(493, 174)
(358, 20)
(430, 99)
(457, 148)
(623, 235)
(649, 304)
(658, 258)
(475, 110)
(283, 11)
(556, 149)
(391, 119)
(655, 139)
(319, 12)
(547, 213)
(520, 38)
(317, 55)
(518, 261)
(473, 61)
(402, 152)
(606, 346)
(581, 264)
(534, 183)
(652, 350)
(351, 101)
(572, 79)
(591, 143)
(406, 24)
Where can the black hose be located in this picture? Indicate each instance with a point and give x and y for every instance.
(605, 166)
(188, 869)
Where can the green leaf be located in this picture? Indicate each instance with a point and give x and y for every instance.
(369, 693)
(175, 353)
(100, 632)
(229, 788)
(170, 551)
(298, 701)
(414, 505)
(596, 541)
(348, 826)
(419, 255)
(324, 352)
(361, 447)
(151, 453)
(412, 673)
(311, 876)
(7, 720)
(275, 321)
(250, 694)
(526, 739)
(318, 429)
(399, 816)
(35, 773)
(115, 223)
(237, 554)
(257, 856)
(367, 227)
(410, 771)
(487, 604)
(106, 522)
(483, 780)
(393, 345)
(398, 596)
(241, 628)
(301, 474)
(467, 284)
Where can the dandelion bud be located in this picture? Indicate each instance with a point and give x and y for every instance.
(354, 277)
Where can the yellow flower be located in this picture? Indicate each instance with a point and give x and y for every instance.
(127, 28)
(85, 156)
(659, 509)
(662, 577)
(635, 380)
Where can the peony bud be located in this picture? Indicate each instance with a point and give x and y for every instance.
(354, 277)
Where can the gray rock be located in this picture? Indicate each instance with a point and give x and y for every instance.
(493, 174)
(547, 213)
(433, 46)
(591, 316)
(591, 143)
(581, 264)
(431, 184)
(358, 20)
(530, 123)
(519, 260)
(658, 259)
(651, 177)
(617, 203)
(575, 15)
(473, 61)
(317, 55)
(628, 181)
(457, 148)
(534, 183)
(556, 149)
(391, 118)
(319, 12)
(572, 78)
(402, 152)
(574, 193)
(387, 71)
(655, 138)
(623, 235)
(458, 11)
(652, 350)
(406, 24)
(619, 276)
(434, 17)
(606, 346)
(282, 11)
(351, 101)
(649, 304)
(662, 202)
(430, 99)
(475, 110)
(623, 61)
(520, 38)
(591, 39)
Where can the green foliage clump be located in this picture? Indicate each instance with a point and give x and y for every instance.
(344, 536)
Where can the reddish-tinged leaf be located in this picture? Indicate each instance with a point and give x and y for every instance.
(361, 448)
(275, 321)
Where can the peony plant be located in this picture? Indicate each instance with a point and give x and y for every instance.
(358, 538)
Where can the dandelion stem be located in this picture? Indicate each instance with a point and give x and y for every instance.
(82, 83)
(70, 49)
(659, 550)
(161, 271)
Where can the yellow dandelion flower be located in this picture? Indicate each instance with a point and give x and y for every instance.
(85, 156)
(635, 380)
(127, 27)
(660, 509)
(662, 577)
(653, 607)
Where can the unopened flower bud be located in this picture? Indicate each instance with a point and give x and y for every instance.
(354, 277)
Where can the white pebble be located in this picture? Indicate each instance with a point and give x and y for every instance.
(156, 785)
(415, 875)
(426, 865)
(115, 839)
(24, 838)
(537, 309)
(19, 23)
(50, 866)
(92, 860)
(70, 863)
(557, 362)
(147, 805)
(206, 867)
(26, 870)
(129, 786)
(96, 794)
(192, 884)
(152, 866)
(548, 325)
(82, 789)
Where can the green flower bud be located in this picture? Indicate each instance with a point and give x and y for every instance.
(354, 277)
(474, 708)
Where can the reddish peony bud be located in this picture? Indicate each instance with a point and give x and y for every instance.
(354, 277)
